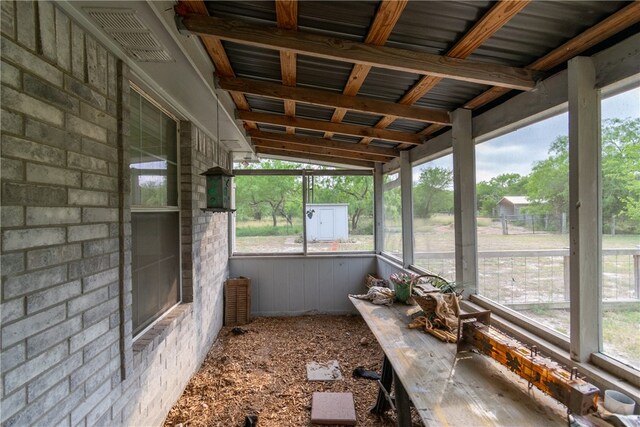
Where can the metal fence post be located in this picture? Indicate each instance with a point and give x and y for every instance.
(636, 274)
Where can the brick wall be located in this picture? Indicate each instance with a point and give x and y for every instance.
(67, 355)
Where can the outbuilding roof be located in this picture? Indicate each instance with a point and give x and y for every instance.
(516, 200)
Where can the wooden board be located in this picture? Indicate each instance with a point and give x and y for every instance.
(450, 389)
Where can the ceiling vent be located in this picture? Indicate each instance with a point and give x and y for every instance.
(130, 33)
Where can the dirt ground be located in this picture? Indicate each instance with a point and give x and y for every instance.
(263, 372)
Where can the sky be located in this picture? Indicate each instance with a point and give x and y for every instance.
(518, 151)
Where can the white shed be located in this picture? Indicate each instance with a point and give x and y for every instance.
(327, 221)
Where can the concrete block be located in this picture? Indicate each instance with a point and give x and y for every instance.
(63, 34)
(99, 215)
(9, 405)
(33, 195)
(10, 75)
(60, 332)
(88, 198)
(40, 258)
(86, 301)
(52, 175)
(11, 122)
(52, 216)
(19, 285)
(12, 216)
(49, 135)
(87, 163)
(87, 232)
(12, 357)
(87, 335)
(99, 182)
(26, 18)
(22, 329)
(333, 408)
(23, 103)
(12, 169)
(85, 128)
(7, 17)
(12, 263)
(47, 33)
(30, 62)
(53, 296)
(12, 310)
(104, 278)
(84, 92)
(77, 52)
(40, 385)
(50, 94)
(23, 149)
(24, 373)
(31, 238)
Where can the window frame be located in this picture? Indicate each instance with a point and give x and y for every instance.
(162, 209)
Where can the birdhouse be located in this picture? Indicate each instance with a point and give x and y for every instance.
(218, 189)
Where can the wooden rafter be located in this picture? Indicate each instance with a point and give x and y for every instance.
(385, 20)
(318, 149)
(319, 142)
(287, 15)
(216, 52)
(492, 21)
(359, 53)
(341, 128)
(332, 99)
(311, 156)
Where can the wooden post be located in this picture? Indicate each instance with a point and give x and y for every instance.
(406, 184)
(464, 181)
(378, 210)
(585, 220)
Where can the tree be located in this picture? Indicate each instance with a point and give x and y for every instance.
(548, 183)
(489, 193)
(432, 192)
(357, 191)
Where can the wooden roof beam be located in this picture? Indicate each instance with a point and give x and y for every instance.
(332, 99)
(341, 128)
(316, 149)
(319, 142)
(287, 15)
(311, 156)
(359, 53)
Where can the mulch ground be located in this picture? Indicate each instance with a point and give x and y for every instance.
(263, 373)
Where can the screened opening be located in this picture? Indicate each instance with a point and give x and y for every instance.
(392, 211)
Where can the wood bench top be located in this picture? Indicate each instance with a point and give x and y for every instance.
(450, 389)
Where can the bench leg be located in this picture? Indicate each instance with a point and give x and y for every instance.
(383, 402)
(403, 404)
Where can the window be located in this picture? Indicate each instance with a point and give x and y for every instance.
(155, 219)
(522, 223)
(339, 213)
(433, 219)
(620, 205)
(392, 221)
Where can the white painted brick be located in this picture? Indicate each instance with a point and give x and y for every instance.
(7, 26)
(12, 357)
(45, 339)
(31, 194)
(86, 301)
(28, 150)
(87, 232)
(88, 198)
(98, 117)
(36, 409)
(51, 256)
(24, 373)
(87, 335)
(11, 122)
(101, 343)
(81, 411)
(77, 51)
(88, 163)
(83, 127)
(12, 216)
(52, 175)
(12, 263)
(50, 135)
(80, 375)
(52, 216)
(103, 278)
(31, 238)
(16, 286)
(99, 182)
(22, 329)
(47, 29)
(99, 215)
(9, 405)
(26, 18)
(64, 408)
(53, 296)
(63, 34)
(53, 376)
(100, 312)
(28, 61)
(12, 310)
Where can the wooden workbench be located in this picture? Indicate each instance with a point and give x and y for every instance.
(449, 389)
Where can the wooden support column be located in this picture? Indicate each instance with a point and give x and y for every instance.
(406, 197)
(378, 209)
(464, 181)
(584, 209)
